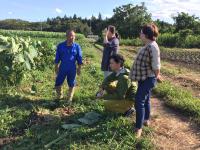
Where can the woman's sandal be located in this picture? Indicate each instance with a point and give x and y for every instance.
(146, 123)
(138, 133)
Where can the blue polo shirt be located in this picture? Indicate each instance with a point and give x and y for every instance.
(68, 55)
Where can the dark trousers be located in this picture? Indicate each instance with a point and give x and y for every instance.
(142, 100)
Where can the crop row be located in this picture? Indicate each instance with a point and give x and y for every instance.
(38, 34)
(181, 55)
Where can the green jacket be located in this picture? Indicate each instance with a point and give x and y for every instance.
(118, 86)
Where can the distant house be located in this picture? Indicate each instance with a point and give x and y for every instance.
(93, 37)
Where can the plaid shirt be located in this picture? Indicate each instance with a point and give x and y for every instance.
(142, 66)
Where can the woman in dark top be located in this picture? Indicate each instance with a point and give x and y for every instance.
(111, 47)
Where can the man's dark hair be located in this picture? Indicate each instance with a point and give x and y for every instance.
(69, 31)
(118, 59)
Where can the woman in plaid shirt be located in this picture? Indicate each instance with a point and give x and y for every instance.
(145, 70)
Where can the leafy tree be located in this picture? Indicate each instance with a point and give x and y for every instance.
(164, 27)
(100, 17)
(129, 18)
(185, 21)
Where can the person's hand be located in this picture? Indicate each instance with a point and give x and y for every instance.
(56, 73)
(79, 71)
(160, 78)
(100, 93)
(105, 32)
(56, 70)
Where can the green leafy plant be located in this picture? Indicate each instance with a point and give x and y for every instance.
(17, 55)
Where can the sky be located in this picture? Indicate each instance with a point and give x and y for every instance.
(40, 10)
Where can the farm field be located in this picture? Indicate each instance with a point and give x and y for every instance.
(37, 115)
(30, 119)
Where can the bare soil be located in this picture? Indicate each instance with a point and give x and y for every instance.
(173, 131)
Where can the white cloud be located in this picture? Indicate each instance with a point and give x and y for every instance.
(10, 12)
(165, 9)
(58, 10)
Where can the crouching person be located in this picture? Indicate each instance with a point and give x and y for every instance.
(67, 55)
(117, 90)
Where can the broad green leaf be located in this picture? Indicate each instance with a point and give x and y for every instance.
(33, 52)
(3, 39)
(39, 43)
(90, 118)
(27, 63)
(87, 121)
(28, 57)
(6, 68)
(20, 58)
(2, 48)
(92, 115)
(70, 126)
(14, 46)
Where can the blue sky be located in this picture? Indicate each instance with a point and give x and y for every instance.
(36, 10)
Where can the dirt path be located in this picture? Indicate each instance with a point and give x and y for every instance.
(187, 78)
(173, 131)
(188, 66)
(184, 82)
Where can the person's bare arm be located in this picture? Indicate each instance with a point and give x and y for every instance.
(56, 68)
(158, 76)
(106, 37)
(79, 70)
(156, 65)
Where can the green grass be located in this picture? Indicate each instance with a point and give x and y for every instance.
(131, 42)
(171, 71)
(179, 99)
(112, 132)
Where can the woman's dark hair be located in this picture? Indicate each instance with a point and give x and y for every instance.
(118, 59)
(150, 31)
(112, 29)
(117, 35)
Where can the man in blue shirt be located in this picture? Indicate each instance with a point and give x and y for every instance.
(67, 54)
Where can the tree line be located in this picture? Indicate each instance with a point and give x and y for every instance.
(128, 20)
